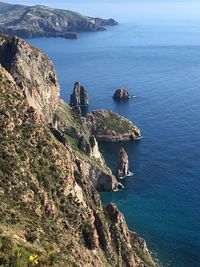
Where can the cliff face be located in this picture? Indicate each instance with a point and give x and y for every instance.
(50, 212)
(35, 21)
(33, 73)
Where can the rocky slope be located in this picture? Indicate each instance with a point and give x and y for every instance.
(108, 126)
(35, 21)
(50, 211)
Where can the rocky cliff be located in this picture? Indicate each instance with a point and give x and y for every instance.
(33, 73)
(50, 211)
(108, 126)
(37, 21)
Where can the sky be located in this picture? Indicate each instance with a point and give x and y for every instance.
(138, 11)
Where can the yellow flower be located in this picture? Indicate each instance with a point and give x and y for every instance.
(34, 259)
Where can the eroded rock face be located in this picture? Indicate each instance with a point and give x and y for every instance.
(33, 72)
(122, 169)
(79, 97)
(108, 126)
(126, 239)
(121, 93)
(95, 149)
(102, 178)
(92, 164)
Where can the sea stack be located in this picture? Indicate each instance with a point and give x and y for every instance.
(79, 97)
(121, 93)
(123, 165)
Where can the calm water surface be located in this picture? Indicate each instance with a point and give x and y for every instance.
(161, 66)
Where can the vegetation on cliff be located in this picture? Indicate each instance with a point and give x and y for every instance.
(108, 126)
(50, 211)
(34, 21)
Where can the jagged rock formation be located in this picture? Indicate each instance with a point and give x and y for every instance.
(122, 169)
(108, 126)
(121, 93)
(37, 21)
(91, 163)
(79, 97)
(95, 149)
(49, 207)
(33, 73)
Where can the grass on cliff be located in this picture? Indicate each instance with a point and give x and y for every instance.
(34, 168)
(113, 123)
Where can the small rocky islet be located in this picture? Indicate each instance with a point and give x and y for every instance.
(79, 96)
(51, 169)
(122, 94)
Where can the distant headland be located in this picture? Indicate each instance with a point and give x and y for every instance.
(42, 21)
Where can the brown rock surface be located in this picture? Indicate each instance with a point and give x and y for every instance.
(33, 72)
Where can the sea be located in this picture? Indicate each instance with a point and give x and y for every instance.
(160, 66)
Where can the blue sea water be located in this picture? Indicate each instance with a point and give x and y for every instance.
(161, 67)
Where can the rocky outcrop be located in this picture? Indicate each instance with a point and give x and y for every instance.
(79, 97)
(125, 241)
(70, 128)
(38, 21)
(33, 72)
(107, 22)
(121, 94)
(102, 178)
(108, 126)
(122, 169)
(95, 149)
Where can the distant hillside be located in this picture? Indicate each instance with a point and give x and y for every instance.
(36, 21)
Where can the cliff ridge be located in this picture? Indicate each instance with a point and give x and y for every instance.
(50, 212)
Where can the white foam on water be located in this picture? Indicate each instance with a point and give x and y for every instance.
(130, 174)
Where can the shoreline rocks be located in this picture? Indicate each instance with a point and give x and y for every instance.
(122, 94)
(79, 97)
(122, 169)
(108, 126)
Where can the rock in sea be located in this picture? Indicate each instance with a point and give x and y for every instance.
(122, 93)
(79, 97)
(122, 169)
